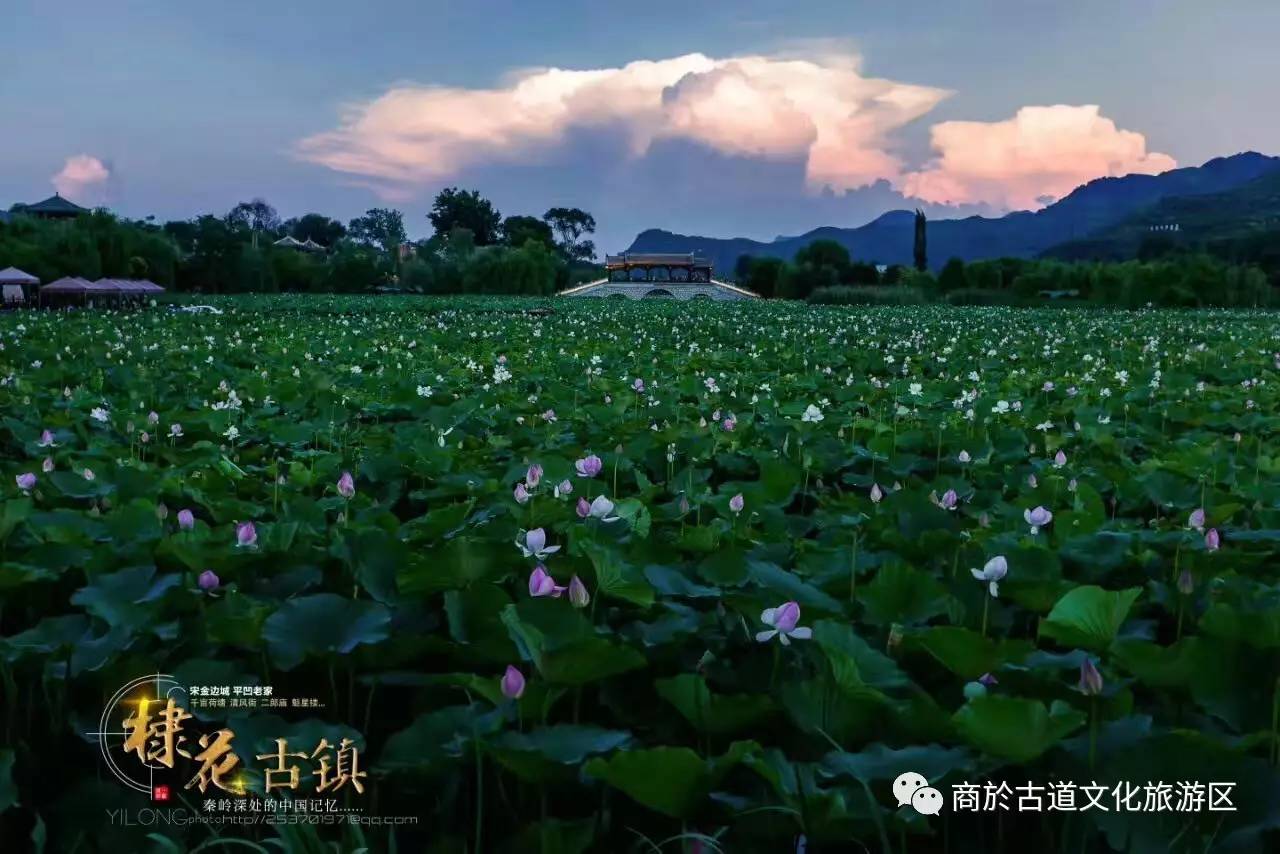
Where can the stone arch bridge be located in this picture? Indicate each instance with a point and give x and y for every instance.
(713, 289)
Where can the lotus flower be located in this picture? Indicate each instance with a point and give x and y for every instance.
(601, 509)
(175, 431)
(812, 414)
(564, 487)
(346, 485)
(208, 581)
(992, 573)
(542, 584)
(534, 544)
(1090, 679)
(589, 466)
(987, 680)
(47, 465)
(186, 520)
(88, 474)
(583, 508)
(46, 439)
(638, 385)
(246, 535)
(730, 424)
(1059, 460)
(153, 418)
(783, 619)
(948, 500)
(26, 481)
(964, 457)
(578, 595)
(1212, 540)
(876, 493)
(1037, 519)
(736, 503)
(533, 476)
(1196, 520)
(512, 683)
(521, 494)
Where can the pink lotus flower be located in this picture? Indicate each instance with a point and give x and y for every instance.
(246, 535)
(534, 544)
(47, 465)
(153, 418)
(533, 476)
(638, 385)
(584, 508)
(1031, 481)
(46, 440)
(1212, 540)
(736, 503)
(1059, 460)
(564, 487)
(602, 508)
(948, 500)
(783, 620)
(208, 581)
(26, 481)
(88, 474)
(186, 520)
(1090, 679)
(1196, 520)
(346, 485)
(1037, 518)
(542, 584)
(512, 683)
(730, 425)
(987, 680)
(964, 457)
(578, 595)
(521, 494)
(589, 466)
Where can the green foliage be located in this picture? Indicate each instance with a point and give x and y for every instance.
(846, 295)
(454, 208)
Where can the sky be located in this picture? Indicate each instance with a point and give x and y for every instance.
(743, 118)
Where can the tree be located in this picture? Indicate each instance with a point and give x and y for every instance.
(919, 250)
(256, 216)
(825, 253)
(570, 224)
(762, 277)
(742, 268)
(316, 227)
(382, 228)
(454, 208)
(519, 230)
(952, 277)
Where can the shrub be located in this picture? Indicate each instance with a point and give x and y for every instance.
(848, 295)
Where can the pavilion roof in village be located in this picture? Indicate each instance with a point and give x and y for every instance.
(55, 205)
(14, 276)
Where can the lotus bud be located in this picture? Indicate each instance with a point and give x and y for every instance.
(521, 494)
(162, 511)
(1196, 520)
(186, 520)
(736, 503)
(246, 535)
(533, 476)
(1212, 540)
(1090, 679)
(208, 581)
(583, 508)
(578, 595)
(47, 465)
(346, 485)
(512, 683)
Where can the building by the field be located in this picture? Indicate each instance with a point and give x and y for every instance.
(54, 207)
(14, 285)
(660, 275)
(290, 242)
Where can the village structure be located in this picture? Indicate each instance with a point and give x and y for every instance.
(668, 275)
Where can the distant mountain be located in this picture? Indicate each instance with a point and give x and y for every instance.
(1191, 221)
(1097, 205)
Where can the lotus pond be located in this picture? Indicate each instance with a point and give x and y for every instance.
(599, 576)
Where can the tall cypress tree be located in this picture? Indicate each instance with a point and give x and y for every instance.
(920, 249)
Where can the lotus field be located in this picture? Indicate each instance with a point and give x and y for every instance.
(648, 576)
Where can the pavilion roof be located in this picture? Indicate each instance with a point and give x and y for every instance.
(14, 276)
(67, 285)
(55, 204)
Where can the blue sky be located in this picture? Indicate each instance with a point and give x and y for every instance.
(191, 108)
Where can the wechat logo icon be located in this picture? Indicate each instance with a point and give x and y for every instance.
(912, 789)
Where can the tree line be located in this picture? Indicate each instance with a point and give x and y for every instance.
(824, 272)
(472, 249)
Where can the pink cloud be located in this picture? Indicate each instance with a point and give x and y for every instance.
(820, 109)
(1041, 153)
(82, 179)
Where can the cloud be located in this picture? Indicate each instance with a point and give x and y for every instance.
(82, 179)
(1040, 154)
(821, 109)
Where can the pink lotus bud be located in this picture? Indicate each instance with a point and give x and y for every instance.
(876, 493)
(512, 683)
(208, 581)
(46, 439)
(246, 535)
(186, 520)
(521, 494)
(964, 457)
(589, 466)
(533, 476)
(1212, 540)
(542, 584)
(948, 500)
(578, 595)
(1090, 679)
(564, 487)
(26, 481)
(153, 418)
(47, 465)
(729, 425)
(584, 508)
(346, 485)
(736, 503)
(1196, 519)
(1059, 459)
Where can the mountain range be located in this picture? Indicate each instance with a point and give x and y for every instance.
(1087, 213)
